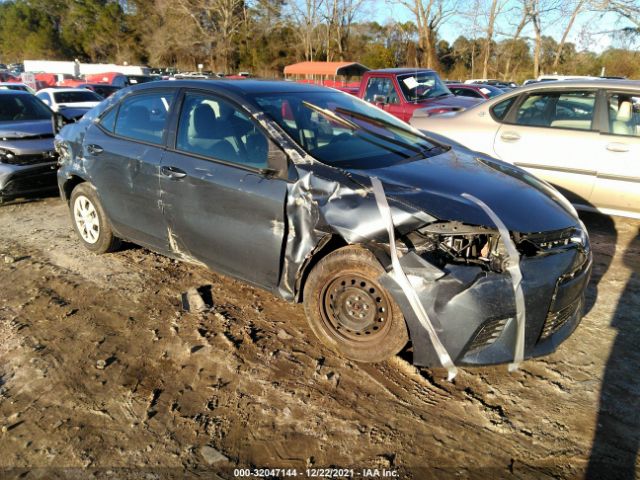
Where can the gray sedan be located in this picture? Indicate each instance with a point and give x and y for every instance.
(581, 136)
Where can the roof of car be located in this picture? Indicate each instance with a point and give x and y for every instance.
(473, 86)
(14, 92)
(401, 70)
(604, 83)
(59, 89)
(104, 85)
(239, 86)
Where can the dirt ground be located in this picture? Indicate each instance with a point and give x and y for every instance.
(103, 375)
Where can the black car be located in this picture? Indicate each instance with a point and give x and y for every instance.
(385, 234)
(27, 155)
(103, 89)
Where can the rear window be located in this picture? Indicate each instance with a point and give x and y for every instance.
(142, 117)
(76, 97)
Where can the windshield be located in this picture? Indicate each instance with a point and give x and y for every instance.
(76, 96)
(490, 91)
(342, 130)
(421, 86)
(22, 107)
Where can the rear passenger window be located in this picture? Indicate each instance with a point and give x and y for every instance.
(143, 117)
(108, 120)
(499, 110)
(573, 110)
(214, 128)
(624, 114)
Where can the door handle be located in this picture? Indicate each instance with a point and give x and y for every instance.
(617, 147)
(94, 149)
(510, 137)
(173, 172)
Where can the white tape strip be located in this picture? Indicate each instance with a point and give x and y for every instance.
(401, 278)
(516, 279)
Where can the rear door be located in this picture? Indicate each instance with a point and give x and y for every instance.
(221, 206)
(552, 135)
(617, 184)
(123, 151)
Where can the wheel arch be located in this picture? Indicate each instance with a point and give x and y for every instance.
(70, 183)
(328, 244)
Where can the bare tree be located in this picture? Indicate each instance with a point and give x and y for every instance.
(629, 9)
(218, 21)
(307, 17)
(524, 20)
(577, 8)
(536, 10)
(429, 16)
(494, 11)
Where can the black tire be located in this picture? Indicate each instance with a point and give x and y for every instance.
(99, 238)
(348, 309)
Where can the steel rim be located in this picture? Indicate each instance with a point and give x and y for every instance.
(86, 218)
(355, 309)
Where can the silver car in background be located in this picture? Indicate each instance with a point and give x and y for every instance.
(581, 136)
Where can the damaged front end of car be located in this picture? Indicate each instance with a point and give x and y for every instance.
(460, 275)
(462, 307)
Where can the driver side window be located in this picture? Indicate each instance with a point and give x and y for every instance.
(214, 128)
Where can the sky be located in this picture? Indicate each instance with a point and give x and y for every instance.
(591, 31)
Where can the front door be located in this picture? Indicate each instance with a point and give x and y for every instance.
(221, 206)
(551, 135)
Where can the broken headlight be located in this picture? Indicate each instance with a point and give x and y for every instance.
(454, 242)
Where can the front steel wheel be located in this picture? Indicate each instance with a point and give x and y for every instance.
(350, 311)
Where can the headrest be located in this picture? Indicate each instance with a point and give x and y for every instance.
(204, 121)
(137, 115)
(625, 111)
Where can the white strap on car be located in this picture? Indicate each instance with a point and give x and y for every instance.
(401, 279)
(516, 278)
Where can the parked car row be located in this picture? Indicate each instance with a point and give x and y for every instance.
(337, 199)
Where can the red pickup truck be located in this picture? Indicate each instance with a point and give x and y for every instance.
(401, 91)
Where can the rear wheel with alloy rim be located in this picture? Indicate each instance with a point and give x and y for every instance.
(90, 221)
(350, 311)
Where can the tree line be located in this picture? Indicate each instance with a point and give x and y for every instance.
(506, 39)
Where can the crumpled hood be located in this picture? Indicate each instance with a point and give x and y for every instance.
(435, 185)
(25, 129)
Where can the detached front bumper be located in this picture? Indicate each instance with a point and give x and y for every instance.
(473, 310)
(21, 180)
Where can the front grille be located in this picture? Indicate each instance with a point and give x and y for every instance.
(555, 320)
(487, 334)
(34, 159)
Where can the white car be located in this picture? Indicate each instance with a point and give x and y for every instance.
(76, 98)
(16, 86)
(581, 136)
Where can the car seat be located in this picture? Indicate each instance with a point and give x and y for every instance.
(208, 135)
(622, 124)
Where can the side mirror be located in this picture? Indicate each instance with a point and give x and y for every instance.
(57, 122)
(379, 99)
